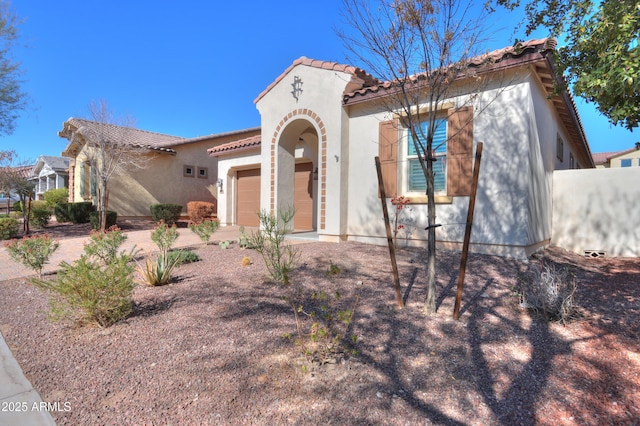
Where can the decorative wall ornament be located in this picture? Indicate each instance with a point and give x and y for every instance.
(297, 88)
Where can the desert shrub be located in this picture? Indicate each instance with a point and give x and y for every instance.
(205, 229)
(40, 217)
(323, 324)
(279, 257)
(184, 256)
(169, 213)
(79, 212)
(550, 291)
(17, 206)
(53, 197)
(8, 228)
(199, 211)
(157, 269)
(94, 218)
(104, 245)
(90, 290)
(33, 252)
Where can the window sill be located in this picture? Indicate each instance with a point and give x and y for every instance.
(422, 199)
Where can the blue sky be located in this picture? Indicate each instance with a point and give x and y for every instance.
(186, 68)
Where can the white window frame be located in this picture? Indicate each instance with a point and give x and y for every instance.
(406, 157)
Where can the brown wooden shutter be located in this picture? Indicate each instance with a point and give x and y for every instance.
(460, 151)
(388, 153)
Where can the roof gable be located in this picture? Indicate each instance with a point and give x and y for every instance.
(359, 77)
(58, 164)
(116, 134)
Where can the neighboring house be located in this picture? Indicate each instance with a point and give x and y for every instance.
(50, 173)
(626, 158)
(318, 141)
(177, 171)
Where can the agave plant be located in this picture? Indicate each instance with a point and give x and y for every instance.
(157, 270)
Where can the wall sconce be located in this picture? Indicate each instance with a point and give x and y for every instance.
(219, 184)
(315, 174)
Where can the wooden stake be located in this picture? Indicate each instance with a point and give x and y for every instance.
(392, 249)
(467, 231)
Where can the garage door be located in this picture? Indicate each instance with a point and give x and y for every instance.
(303, 197)
(248, 200)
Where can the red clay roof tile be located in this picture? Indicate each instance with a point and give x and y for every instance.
(235, 146)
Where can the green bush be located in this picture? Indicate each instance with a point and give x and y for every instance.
(89, 292)
(39, 205)
(79, 212)
(17, 206)
(53, 197)
(184, 256)
(205, 229)
(8, 228)
(104, 245)
(61, 212)
(94, 218)
(169, 213)
(33, 252)
(97, 288)
(279, 257)
(39, 217)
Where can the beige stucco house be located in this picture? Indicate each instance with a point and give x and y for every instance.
(627, 158)
(322, 125)
(178, 169)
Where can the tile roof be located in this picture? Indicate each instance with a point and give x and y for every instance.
(218, 135)
(359, 77)
(121, 134)
(501, 58)
(235, 146)
(604, 157)
(22, 171)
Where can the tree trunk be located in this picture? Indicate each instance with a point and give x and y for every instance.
(102, 194)
(430, 302)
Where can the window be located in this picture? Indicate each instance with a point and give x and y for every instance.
(202, 172)
(625, 162)
(415, 180)
(560, 149)
(188, 171)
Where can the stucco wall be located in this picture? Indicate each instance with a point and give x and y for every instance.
(502, 222)
(227, 171)
(318, 111)
(132, 192)
(597, 210)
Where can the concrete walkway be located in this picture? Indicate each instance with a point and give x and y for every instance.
(20, 404)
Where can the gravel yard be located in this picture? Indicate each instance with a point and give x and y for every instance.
(213, 347)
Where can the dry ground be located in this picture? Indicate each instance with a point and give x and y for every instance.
(211, 348)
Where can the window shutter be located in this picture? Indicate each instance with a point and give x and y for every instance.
(388, 153)
(460, 152)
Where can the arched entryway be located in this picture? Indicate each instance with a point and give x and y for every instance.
(295, 172)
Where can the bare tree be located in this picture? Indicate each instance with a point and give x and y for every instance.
(421, 48)
(14, 178)
(111, 149)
